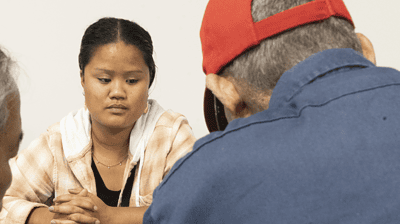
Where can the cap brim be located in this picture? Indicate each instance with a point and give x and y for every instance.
(214, 112)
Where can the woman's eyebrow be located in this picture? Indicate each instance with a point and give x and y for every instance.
(111, 72)
(133, 72)
(107, 71)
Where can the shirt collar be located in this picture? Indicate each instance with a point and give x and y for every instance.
(292, 81)
(75, 131)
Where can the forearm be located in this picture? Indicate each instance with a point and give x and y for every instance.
(40, 215)
(122, 215)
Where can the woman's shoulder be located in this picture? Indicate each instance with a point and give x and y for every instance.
(46, 140)
(52, 133)
(169, 118)
(54, 128)
(166, 118)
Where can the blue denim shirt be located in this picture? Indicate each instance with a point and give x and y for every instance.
(326, 151)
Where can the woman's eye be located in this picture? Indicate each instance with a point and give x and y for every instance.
(131, 81)
(104, 80)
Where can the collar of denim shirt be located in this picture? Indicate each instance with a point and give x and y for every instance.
(294, 91)
(314, 67)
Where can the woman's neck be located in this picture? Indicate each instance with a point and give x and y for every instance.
(110, 145)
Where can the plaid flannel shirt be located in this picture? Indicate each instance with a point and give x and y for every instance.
(41, 172)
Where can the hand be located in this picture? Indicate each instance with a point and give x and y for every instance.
(76, 207)
(102, 209)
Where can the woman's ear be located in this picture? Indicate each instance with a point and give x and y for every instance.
(368, 49)
(82, 78)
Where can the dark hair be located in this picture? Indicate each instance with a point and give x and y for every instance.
(111, 30)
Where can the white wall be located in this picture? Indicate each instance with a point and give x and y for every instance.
(44, 36)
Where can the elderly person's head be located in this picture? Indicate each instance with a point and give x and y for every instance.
(243, 77)
(10, 120)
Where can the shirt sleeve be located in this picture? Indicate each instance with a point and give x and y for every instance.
(172, 139)
(31, 185)
(182, 144)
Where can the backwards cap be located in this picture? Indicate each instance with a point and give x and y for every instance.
(228, 30)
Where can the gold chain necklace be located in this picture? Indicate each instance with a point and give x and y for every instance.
(108, 166)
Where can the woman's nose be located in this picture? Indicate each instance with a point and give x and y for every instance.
(117, 90)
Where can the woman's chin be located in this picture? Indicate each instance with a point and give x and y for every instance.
(114, 121)
(118, 125)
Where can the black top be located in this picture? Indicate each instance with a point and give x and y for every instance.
(110, 197)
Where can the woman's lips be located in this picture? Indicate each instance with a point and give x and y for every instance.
(117, 109)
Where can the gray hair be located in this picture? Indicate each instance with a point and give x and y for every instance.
(262, 66)
(7, 85)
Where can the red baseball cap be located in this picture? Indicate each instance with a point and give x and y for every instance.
(228, 30)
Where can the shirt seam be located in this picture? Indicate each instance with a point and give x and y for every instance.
(271, 120)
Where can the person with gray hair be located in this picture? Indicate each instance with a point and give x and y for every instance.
(305, 125)
(10, 120)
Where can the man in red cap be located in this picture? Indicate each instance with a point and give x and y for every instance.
(314, 125)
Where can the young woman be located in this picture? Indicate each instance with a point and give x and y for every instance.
(117, 148)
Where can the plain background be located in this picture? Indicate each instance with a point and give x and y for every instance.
(44, 38)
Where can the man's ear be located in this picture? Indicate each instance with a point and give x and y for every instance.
(368, 49)
(226, 92)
